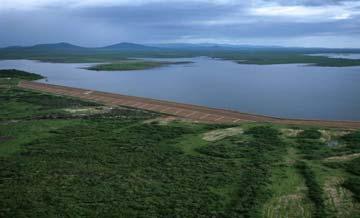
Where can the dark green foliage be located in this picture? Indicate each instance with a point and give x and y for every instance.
(310, 134)
(263, 151)
(17, 103)
(225, 149)
(46, 101)
(128, 114)
(293, 58)
(114, 164)
(263, 132)
(112, 168)
(313, 149)
(18, 74)
(353, 184)
(315, 192)
(335, 165)
(353, 166)
(352, 138)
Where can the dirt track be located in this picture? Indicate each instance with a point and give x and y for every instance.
(192, 112)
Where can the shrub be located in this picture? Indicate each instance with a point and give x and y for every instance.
(354, 166)
(352, 138)
(353, 184)
(263, 132)
(310, 134)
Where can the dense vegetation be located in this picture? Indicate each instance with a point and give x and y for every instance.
(131, 65)
(63, 157)
(19, 74)
(315, 192)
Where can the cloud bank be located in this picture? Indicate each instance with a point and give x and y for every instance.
(317, 23)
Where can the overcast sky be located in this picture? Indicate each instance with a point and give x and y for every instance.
(315, 23)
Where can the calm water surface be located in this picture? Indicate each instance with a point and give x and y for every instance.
(293, 91)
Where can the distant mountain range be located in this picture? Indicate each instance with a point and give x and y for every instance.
(67, 46)
(61, 45)
(126, 46)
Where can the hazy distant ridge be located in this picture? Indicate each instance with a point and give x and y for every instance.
(127, 46)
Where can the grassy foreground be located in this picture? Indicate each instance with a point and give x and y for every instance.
(132, 65)
(63, 157)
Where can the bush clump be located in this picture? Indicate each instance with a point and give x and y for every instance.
(354, 166)
(353, 184)
(352, 138)
(263, 132)
(310, 134)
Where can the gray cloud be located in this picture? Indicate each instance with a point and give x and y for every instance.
(100, 22)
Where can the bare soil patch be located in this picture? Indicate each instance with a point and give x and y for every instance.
(88, 110)
(162, 120)
(291, 132)
(292, 205)
(343, 157)
(328, 135)
(222, 133)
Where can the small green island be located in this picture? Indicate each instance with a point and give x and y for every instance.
(133, 65)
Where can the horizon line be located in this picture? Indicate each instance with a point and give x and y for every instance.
(205, 44)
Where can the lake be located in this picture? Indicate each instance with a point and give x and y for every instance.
(289, 90)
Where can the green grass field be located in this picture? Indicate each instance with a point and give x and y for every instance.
(64, 157)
